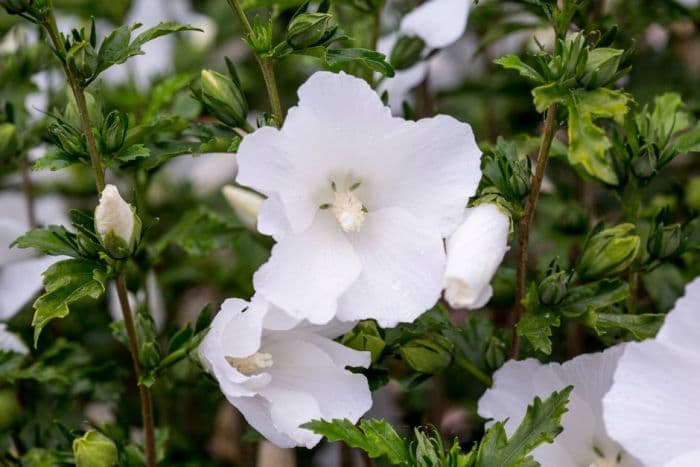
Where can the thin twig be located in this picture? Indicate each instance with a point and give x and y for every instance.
(526, 221)
(144, 392)
(267, 66)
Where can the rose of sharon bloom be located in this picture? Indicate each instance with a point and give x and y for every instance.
(21, 269)
(113, 215)
(584, 441)
(10, 342)
(359, 203)
(652, 408)
(484, 229)
(282, 379)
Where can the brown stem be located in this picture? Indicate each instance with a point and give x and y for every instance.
(144, 392)
(526, 221)
(51, 28)
(28, 192)
(267, 67)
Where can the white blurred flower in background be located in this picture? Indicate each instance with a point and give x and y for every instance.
(282, 379)
(584, 441)
(359, 203)
(652, 408)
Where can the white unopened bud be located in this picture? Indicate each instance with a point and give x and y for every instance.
(117, 225)
(245, 204)
(474, 253)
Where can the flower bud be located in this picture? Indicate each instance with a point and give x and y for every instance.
(601, 66)
(82, 60)
(9, 144)
(149, 355)
(664, 240)
(365, 337)
(94, 450)
(428, 355)
(406, 52)
(645, 165)
(609, 252)
(246, 204)
(223, 98)
(10, 410)
(519, 183)
(67, 139)
(495, 353)
(116, 223)
(114, 131)
(553, 288)
(309, 29)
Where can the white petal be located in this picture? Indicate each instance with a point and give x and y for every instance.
(438, 22)
(256, 411)
(10, 342)
(691, 459)
(246, 204)
(403, 263)
(434, 171)
(681, 328)
(20, 282)
(277, 319)
(289, 409)
(272, 220)
(308, 272)
(474, 252)
(652, 408)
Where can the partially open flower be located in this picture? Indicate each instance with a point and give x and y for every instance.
(359, 203)
(474, 253)
(116, 223)
(282, 379)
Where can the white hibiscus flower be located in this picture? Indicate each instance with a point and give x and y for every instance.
(652, 408)
(469, 270)
(584, 441)
(282, 379)
(359, 203)
(20, 269)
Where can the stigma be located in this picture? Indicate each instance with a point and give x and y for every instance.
(251, 364)
(348, 210)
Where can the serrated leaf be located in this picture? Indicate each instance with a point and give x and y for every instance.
(541, 424)
(66, 282)
(54, 159)
(593, 297)
(54, 240)
(371, 59)
(641, 326)
(133, 152)
(383, 436)
(536, 327)
(513, 62)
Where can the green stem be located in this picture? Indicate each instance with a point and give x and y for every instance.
(474, 371)
(144, 392)
(267, 66)
(526, 222)
(79, 94)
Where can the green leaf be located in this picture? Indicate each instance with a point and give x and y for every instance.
(593, 297)
(513, 62)
(54, 240)
(536, 327)
(161, 29)
(133, 152)
(375, 61)
(66, 282)
(54, 159)
(540, 425)
(376, 437)
(588, 143)
(200, 232)
(641, 326)
(552, 93)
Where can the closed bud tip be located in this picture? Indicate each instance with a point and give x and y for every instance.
(117, 225)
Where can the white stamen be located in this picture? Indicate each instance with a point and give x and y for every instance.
(348, 210)
(252, 363)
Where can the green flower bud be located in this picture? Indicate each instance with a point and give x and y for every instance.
(553, 288)
(82, 60)
(10, 410)
(365, 337)
(94, 450)
(114, 131)
(309, 29)
(406, 52)
(609, 252)
(645, 165)
(428, 355)
(67, 139)
(149, 355)
(116, 223)
(223, 98)
(9, 143)
(495, 353)
(664, 240)
(601, 66)
(519, 183)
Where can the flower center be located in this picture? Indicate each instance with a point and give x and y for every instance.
(348, 210)
(252, 363)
